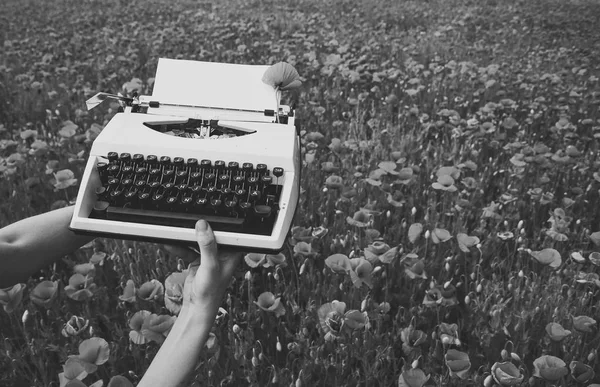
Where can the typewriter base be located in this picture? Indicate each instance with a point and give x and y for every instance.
(244, 249)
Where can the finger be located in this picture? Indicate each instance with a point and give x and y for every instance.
(207, 244)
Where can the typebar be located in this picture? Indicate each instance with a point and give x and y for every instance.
(173, 219)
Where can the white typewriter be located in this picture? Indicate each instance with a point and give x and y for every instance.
(213, 143)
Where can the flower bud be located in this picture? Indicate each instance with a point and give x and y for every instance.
(467, 300)
(479, 288)
(504, 354)
(302, 268)
(427, 233)
(278, 345)
(515, 357)
(254, 361)
(592, 355)
(521, 274)
(25, 316)
(248, 276)
(236, 329)
(415, 364)
(520, 224)
(413, 211)
(489, 381)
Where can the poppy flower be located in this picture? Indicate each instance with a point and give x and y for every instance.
(338, 263)
(301, 234)
(329, 167)
(549, 368)
(412, 338)
(75, 326)
(594, 258)
(374, 250)
(119, 381)
(64, 179)
(11, 297)
(440, 235)
(282, 76)
(135, 323)
(506, 374)
(85, 269)
(334, 182)
(80, 287)
(44, 293)
(254, 259)
(584, 324)
(319, 232)
(556, 331)
(128, 292)
(448, 334)
(405, 176)
(360, 219)
(361, 272)
(73, 372)
(506, 235)
(413, 377)
(548, 257)
(581, 372)
(267, 302)
(98, 258)
(271, 260)
(331, 319)
(414, 267)
(303, 249)
(355, 320)
(156, 327)
(174, 291)
(588, 278)
(458, 363)
(92, 353)
(444, 183)
(151, 291)
(465, 242)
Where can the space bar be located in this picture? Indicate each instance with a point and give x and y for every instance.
(173, 219)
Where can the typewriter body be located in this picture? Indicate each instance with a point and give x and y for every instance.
(213, 143)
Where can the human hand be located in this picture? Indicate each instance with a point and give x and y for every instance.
(209, 276)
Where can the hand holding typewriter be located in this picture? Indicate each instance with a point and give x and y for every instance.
(203, 292)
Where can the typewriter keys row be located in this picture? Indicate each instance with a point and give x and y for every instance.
(164, 190)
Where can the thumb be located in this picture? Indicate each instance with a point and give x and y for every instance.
(206, 243)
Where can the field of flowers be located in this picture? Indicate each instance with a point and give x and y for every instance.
(448, 231)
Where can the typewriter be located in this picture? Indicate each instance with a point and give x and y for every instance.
(213, 143)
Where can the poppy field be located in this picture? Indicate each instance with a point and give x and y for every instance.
(448, 231)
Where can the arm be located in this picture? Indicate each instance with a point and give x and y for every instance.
(203, 292)
(34, 243)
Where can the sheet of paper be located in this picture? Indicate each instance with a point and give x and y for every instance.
(219, 85)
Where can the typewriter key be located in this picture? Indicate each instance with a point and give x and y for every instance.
(233, 165)
(113, 156)
(205, 164)
(164, 160)
(138, 158)
(247, 167)
(261, 168)
(262, 211)
(278, 171)
(195, 177)
(152, 159)
(219, 164)
(192, 162)
(266, 180)
(178, 161)
(99, 210)
(125, 157)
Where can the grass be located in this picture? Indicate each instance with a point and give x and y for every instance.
(462, 133)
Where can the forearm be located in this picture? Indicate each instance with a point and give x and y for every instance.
(34, 243)
(179, 354)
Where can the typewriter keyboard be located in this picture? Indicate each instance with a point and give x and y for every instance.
(232, 197)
